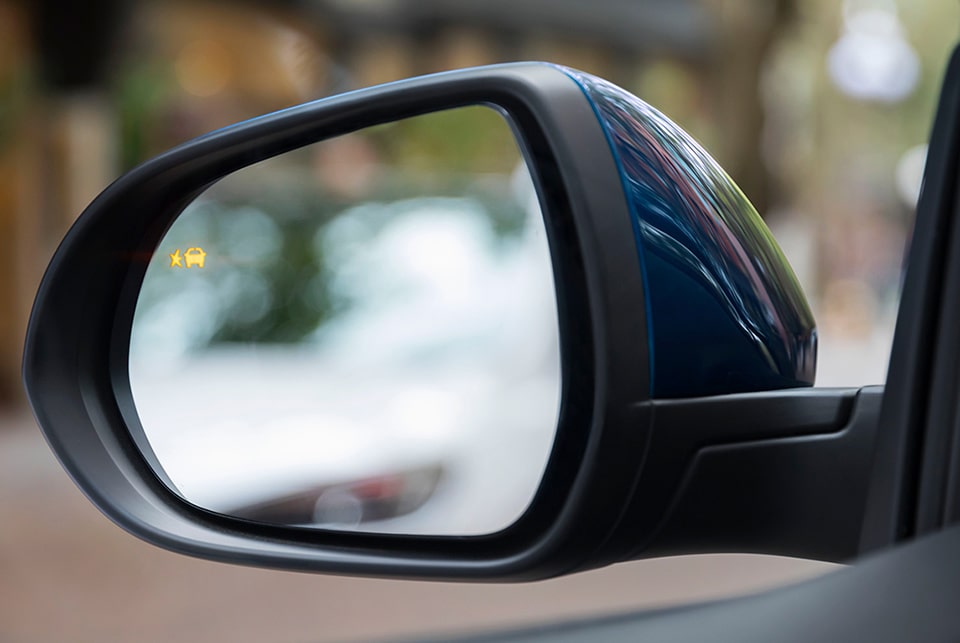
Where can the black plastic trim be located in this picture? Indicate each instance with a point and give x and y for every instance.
(907, 487)
(801, 495)
(740, 454)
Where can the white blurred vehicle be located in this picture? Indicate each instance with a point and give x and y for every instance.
(418, 410)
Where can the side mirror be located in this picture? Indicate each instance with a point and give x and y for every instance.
(500, 323)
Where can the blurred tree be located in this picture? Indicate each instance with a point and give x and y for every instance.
(748, 30)
(15, 156)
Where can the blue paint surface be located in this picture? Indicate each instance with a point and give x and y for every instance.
(725, 313)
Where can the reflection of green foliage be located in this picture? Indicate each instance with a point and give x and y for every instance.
(297, 275)
(466, 139)
(458, 145)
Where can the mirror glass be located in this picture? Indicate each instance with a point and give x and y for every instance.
(360, 334)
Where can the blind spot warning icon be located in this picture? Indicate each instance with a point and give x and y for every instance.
(192, 257)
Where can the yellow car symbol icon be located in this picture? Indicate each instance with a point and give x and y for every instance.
(194, 257)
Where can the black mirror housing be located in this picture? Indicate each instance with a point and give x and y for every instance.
(614, 474)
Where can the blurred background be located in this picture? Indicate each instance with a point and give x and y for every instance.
(819, 110)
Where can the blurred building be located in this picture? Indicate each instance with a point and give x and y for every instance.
(87, 91)
(92, 90)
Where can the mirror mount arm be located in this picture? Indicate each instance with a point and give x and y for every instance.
(783, 473)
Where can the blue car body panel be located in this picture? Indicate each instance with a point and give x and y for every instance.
(725, 311)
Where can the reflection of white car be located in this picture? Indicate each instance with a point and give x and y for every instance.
(437, 388)
(306, 464)
(383, 455)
